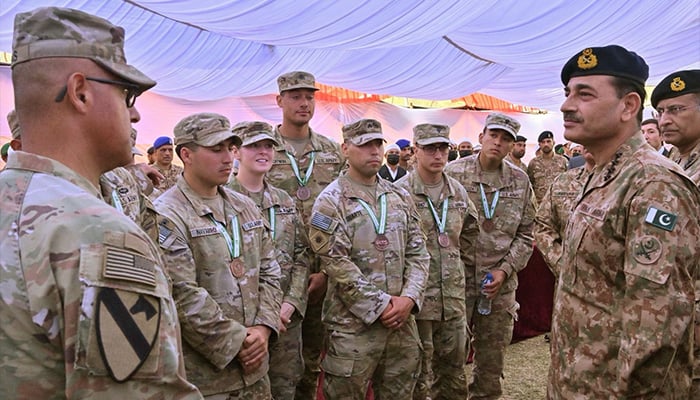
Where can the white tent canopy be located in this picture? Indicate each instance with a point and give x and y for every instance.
(202, 50)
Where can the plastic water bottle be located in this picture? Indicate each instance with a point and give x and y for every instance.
(484, 304)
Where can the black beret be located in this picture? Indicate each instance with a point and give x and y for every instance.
(611, 60)
(545, 135)
(520, 139)
(676, 84)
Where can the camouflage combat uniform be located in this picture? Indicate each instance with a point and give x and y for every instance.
(328, 164)
(442, 323)
(507, 247)
(294, 257)
(215, 307)
(361, 281)
(171, 174)
(553, 213)
(84, 296)
(518, 163)
(542, 172)
(624, 305)
(690, 164)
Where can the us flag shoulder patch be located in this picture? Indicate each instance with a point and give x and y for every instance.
(322, 222)
(124, 265)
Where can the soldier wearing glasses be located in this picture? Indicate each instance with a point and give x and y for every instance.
(86, 305)
(449, 220)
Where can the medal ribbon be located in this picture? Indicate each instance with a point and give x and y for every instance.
(234, 246)
(271, 212)
(295, 168)
(440, 222)
(379, 226)
(116, 202)
(488, 213)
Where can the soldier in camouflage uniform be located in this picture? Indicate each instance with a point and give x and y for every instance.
(163, 154)
(623, 314)
(554, 211)
(449, 220)
(305, 163)
(368, 235)
(86, 306)
(544, 168)
(677, 100)
(516, 155)
(222, 262)
(506, 216)
(255, 154)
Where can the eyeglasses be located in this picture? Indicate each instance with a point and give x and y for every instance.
(671, 111)
(431, 149)
(131, 90)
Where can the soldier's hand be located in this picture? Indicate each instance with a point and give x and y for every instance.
(286, 312)
(317, 287)
(397, 312)
(494, 287)
(152, 173)
(254, 350)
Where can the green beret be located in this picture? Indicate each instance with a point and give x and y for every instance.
(610, 60)
(5, 149)
(676, 84)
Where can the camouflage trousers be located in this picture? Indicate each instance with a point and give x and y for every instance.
(286, 363)
(390, 358)
(260, 390)
(442, 374)
(490, 335)
(313, 335)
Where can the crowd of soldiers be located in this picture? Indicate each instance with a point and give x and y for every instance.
(129, 282)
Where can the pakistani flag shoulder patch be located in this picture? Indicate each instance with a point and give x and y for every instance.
(661, 219)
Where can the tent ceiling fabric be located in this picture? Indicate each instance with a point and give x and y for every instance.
(443, 49)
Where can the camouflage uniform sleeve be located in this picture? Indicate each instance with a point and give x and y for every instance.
(297, 294)
(417, 258)
(521, 247)
(269, 289)
(531, 171)
(469, 236)
(331, 242)
(547, 237)
(204, 325)
(659, 265)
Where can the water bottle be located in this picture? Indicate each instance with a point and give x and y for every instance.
(484, 304)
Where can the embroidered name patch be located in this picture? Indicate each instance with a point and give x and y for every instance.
(593, 212)
(208, 230)
(258, 223)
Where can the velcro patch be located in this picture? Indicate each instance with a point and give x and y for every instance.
(319, 240)
(594, 212)
(661, 219)
(258, 223)
(323, 222)
(127, 266)
(206, 231)
(287, 210)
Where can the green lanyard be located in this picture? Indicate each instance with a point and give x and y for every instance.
(379, 226)
(440, 222)
(309, 169)
(488, 213)
(271, 212)
(234, 246)
(116, 202)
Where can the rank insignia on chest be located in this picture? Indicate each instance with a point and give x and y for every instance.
(661, 219)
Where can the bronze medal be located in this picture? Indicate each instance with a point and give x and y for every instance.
(237, 268)
(487, 226)
(303, 193)
(443, 240)
(381, 243)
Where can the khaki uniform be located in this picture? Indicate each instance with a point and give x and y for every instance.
(171, 175)
(84, 294)
(623, 314)
(328, 164)
(553, 213)
(542, 172)
(123, 191)
(507, 247)
(442, 323)
(361, 281)
(294, 258)
(518, 163)
(215, 306)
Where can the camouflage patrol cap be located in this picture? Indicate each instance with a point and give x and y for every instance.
(425, 134)
(363, 131)
(296, 80)
(250, 132)
(504, 122)
(676, 84)
(204, 129)
(13, 122)
(63, 32)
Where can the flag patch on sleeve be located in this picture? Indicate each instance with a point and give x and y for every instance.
(661, 219)
(323, 222)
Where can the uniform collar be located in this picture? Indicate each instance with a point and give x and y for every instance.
(198, 205)
(282, 145)
(602, 174)
(348, 189)
(418, 186)
(270, 198)
(33, 162)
